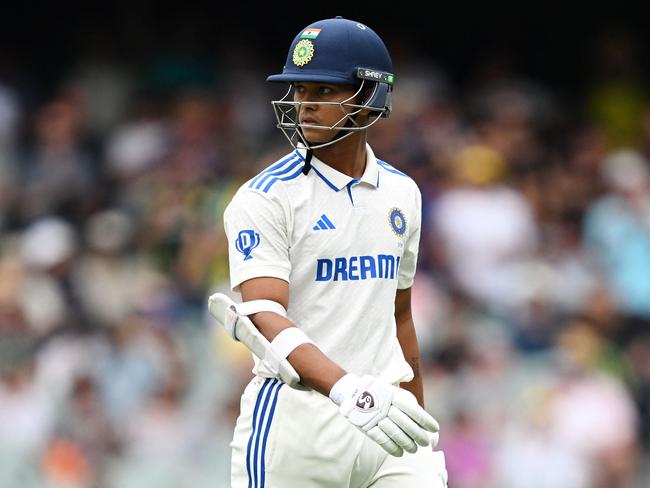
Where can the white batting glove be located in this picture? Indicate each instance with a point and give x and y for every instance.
(390, 416)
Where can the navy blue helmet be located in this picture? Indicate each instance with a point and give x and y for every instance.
(337, 51)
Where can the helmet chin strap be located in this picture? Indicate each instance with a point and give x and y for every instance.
(307, 166)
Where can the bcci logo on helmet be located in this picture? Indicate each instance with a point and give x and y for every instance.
(303, 52)
(247, 240)
(365, 402)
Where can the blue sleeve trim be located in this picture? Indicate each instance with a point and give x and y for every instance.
(264, 174)
(293, 175)
(273, 175)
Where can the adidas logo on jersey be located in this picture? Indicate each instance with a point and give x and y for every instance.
(324, 224)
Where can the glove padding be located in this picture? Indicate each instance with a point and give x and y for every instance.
(390, 416)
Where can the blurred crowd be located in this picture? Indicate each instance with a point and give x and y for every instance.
(531, 302)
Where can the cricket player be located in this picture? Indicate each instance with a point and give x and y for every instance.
(323, 246)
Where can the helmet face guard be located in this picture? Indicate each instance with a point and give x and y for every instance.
(287, 114)
(336, 51)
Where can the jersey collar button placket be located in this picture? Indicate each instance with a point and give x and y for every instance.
(349, 186)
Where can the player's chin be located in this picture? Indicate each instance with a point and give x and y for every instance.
(316, 136)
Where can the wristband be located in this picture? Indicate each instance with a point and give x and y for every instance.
(283, 344)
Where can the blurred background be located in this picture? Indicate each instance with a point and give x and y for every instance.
(126, 127)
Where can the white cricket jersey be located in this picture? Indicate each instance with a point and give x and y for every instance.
(344, 245)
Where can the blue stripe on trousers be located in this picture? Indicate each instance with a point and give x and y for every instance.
(271, 388)
(250, 440)
(266, 433)
(260, 426)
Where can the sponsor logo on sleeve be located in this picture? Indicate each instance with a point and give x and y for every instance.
(247, 240)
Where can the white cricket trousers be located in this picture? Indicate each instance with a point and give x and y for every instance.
(286, 438)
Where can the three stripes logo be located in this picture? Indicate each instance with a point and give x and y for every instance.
(286, 169)
(324, 224)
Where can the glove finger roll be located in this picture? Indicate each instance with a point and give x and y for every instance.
(435, 438)
(380, 437)
(413, 430)
(397, 435)
(416, 412)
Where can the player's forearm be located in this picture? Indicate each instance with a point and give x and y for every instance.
(408, 340)
(316, 370)
(415, 386)
(412, 355)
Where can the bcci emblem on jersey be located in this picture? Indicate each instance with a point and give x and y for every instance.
(397, 221)
(247, 240)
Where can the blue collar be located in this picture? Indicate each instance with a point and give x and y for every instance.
(337, 180)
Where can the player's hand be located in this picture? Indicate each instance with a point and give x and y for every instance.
(390, 416)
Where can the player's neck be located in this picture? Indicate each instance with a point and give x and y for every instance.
(347, 156)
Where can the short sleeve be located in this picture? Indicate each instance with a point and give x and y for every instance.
(256, 229)
(408, 264)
